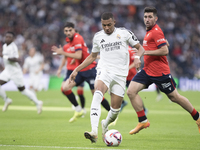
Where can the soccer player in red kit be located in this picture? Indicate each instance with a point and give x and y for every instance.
(77, 49)
(132, 72)
(71, 65)
(156, 70)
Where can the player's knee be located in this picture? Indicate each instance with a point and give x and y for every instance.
(66, 92)
(174, 96)
(130, 93)
(67, 87)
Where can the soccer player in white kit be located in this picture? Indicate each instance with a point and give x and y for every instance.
(112, 70)
(34, 64)
(13, 72)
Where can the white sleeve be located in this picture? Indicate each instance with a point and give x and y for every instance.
(95, 47)
(14, 53)
(131, 38)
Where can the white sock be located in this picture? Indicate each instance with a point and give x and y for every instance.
(144, 121)
(30, 95)
(78, 108)
(3, 94)
(112, 115)
(95, 110)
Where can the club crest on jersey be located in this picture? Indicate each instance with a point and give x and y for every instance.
(118, 36)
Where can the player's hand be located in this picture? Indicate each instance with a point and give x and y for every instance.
(57, 50)
(58, 72)
(73, 75)
(137, 63)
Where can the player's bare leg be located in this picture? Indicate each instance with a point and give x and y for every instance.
(137, 104)
(185, 103)
(66, 90)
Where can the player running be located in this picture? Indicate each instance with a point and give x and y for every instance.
(34, 64)
(13, 72)
(71, 65)
(112, 69)
(156, 70)
(77, 49)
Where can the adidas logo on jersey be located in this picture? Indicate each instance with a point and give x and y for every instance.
(102, 41)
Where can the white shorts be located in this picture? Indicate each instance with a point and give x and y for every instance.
(116, 83)
(16, 77)
(34, 80)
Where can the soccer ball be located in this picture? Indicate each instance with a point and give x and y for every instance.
(112, 138)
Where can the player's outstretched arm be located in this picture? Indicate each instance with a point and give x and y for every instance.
(59, 51)
(84, 64)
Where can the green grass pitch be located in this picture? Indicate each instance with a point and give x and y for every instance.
(21, 128)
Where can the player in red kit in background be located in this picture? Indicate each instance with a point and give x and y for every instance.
(77, 49)
(156, 70)
(71, 65)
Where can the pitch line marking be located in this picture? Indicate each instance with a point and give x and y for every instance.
(49, 108)
(56, 147)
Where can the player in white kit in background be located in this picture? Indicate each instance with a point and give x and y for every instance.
(112, 70)
(34, 64)
(13, 72)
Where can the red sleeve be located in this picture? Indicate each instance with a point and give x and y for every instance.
(77, 42)
(159, 38)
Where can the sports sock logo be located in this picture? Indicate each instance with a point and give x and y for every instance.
(94, 114)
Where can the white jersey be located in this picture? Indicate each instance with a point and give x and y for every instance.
(32, 64)
(11, 51)
(113, 48)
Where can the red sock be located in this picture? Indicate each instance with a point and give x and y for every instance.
(195, 114)
(141, 115)
(80, 92)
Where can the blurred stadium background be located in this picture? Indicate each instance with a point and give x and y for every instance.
(40, 23)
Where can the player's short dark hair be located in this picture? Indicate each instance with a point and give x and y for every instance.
(150, 9)
(69, 25)
(107, 15)
(10, 32)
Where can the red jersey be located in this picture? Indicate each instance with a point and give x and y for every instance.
(69, 66)
(132, 72)
(78, 44)
(155, 65)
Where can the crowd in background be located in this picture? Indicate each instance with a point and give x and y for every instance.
(40, 24)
